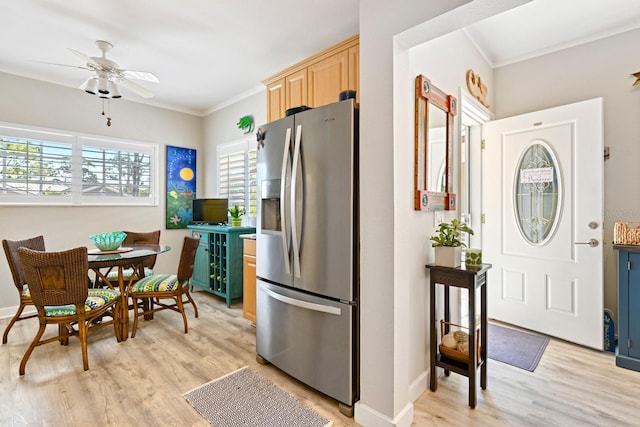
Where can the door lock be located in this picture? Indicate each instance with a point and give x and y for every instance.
(592, 243)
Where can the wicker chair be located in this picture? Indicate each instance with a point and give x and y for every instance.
(138, 238)
(58, 285)
(159, 287)
(11, 251)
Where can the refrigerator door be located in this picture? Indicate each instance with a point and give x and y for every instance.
(273, 225)
(308, 337)
(323, 201)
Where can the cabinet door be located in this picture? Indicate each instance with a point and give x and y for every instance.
(633, 316)
(327, 78)
(249, 275)
(295, 89)
(201, 272)
(276, 100)
(354, 70)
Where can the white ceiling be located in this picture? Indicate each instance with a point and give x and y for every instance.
(205, 52)
(544, 26)
(209, 52)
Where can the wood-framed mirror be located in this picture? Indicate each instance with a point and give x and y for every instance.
(433, 179)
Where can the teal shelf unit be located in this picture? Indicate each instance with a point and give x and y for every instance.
(218, 265)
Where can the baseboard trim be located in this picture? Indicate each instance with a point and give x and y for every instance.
(8, 312)
(418, 386)
(369, 417)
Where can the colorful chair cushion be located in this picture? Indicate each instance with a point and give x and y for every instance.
(126, 273)
(156, 283)
(96, 299)
(25, 291)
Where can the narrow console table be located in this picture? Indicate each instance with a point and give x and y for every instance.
(470, 278)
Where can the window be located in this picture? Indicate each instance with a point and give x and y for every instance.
(39, 166)
(537, 193)
(237, 175)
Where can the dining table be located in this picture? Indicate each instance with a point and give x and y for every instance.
(121, 259)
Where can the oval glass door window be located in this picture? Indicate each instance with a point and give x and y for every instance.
(537, 193)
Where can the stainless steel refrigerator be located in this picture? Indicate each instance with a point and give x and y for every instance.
(307, 248)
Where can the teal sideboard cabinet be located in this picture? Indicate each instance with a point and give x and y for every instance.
(218, 265)
(628, 353)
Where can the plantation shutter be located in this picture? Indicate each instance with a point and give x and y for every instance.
(232, 178)
(237, 175)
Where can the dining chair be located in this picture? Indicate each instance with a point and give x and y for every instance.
(158, 287)
(58, 286)
(11, 251)
(138, 238)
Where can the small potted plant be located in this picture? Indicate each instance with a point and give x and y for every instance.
(447, 243)
(236, 212)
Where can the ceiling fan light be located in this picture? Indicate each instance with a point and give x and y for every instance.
(92, 86)
(103, 85)
(115, 92)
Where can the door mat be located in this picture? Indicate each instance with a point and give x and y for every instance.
(513, 347)
(244, 398)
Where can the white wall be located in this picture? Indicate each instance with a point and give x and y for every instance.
(220, 127)
(37, 103)
(392, 262)
(598, 69)
(445, 61)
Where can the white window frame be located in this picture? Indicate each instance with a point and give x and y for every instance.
(77, 140)
(244, 145)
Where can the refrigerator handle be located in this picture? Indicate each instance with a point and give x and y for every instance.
(294, 226)
(283, 187)
(302, 304)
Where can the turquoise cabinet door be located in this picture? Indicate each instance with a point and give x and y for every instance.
(200, 276)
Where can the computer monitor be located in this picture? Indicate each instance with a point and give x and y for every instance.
(210, 211)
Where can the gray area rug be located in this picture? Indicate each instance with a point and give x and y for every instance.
(520, 349)
(244, 398)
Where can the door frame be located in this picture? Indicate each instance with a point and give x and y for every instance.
(474, 115)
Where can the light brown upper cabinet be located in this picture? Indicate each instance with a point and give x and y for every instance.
(316, 81)
(327, 78)
(354, 70)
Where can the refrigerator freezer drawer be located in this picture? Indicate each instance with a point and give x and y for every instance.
(309, 338)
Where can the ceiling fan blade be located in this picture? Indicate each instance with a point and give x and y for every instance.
(87, 58)
(143, 92)
(62, 65)
(140, 75)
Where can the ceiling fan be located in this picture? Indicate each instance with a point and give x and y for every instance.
(108, 75)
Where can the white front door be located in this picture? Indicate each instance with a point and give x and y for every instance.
(543, 206)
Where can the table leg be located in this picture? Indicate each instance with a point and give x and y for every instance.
(447, 316)
(433, 339)
(473, 355)
(124, 321)
(483, 333)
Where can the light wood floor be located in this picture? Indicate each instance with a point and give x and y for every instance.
(140, 382)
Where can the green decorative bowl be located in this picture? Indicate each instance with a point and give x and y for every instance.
(108, 241)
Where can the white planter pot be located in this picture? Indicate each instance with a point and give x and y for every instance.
(447, 256)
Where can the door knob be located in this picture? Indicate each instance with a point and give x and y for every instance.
(592, 243)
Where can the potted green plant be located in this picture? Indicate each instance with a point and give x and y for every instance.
(236, 212)
(447, 243)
